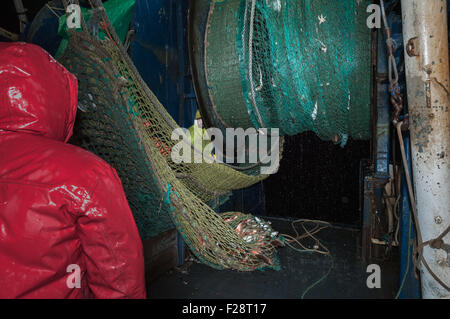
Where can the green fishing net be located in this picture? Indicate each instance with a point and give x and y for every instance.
(122, 121)
(299, 65)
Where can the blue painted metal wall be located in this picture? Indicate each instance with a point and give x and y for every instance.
(159, 51)
(408, 285)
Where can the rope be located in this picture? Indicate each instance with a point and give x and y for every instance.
(250, 62)
(394, 88)
(407, 264)
(396, 214)
(309, 233)
(53, 11)
(397, 102)
(393, 72)
(169, 192)
(9, 35)
(320, 279)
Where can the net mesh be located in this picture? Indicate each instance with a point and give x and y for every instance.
(299, 65)
(124, 123)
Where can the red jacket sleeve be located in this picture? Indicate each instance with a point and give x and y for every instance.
(111, 243)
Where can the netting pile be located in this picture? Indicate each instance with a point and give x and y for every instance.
(124, 123)
(299, 65)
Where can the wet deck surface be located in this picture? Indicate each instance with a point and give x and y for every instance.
(347, 278)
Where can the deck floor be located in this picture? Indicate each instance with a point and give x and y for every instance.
(347, 278)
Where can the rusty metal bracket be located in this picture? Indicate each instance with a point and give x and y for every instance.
(411, 47)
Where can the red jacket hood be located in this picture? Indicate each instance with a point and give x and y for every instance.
(37, 94)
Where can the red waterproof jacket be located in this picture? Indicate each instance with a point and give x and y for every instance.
(64, 218)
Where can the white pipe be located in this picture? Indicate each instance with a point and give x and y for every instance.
(427, 73)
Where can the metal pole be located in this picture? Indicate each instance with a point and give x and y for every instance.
(427, 74)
